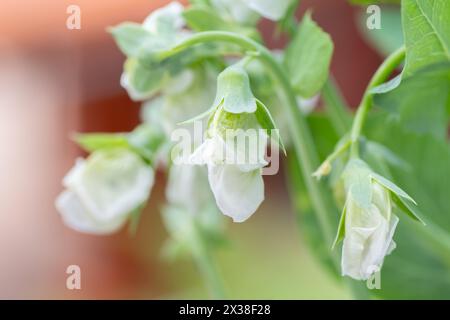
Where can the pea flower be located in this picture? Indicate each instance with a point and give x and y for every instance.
(247, 11)
(368, 221)
(235, 167)
(103, 190)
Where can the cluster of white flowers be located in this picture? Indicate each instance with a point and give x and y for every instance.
(105, 189)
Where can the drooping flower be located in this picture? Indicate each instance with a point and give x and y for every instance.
(368, 221)
(234, 167)
(103, 190)
(238, 186)
(368, 234)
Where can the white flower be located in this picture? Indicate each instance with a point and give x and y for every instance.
(368, 234)
(247, 11)
(103, 190)
(270, 9)
(166, 19)
(234, 173)
(237, 10)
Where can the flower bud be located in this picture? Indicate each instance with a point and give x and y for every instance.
(368, 223)
(368, 234)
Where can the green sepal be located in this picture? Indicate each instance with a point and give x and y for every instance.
(95, 141)
(341, 228)
(233, 88)
(357, 179)
(266, 121)
(407, 208)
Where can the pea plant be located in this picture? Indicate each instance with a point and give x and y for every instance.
(214, 98)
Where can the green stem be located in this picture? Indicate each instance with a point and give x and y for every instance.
(336, 107)
(380, 76)
(208, 268)
(300, 133)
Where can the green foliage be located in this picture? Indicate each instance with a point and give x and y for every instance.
(427, 33)
(421, 102)
(308, 56)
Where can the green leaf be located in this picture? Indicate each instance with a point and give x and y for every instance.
(421, 102)
(380, 152)
(266, 121)
(131, 37)
(427, 33)
(95, 141)
(308, 58)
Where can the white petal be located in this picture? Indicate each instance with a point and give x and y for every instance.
(211, 152)
(170, 14)
(270, 9)
(368, 239)
(78, 218)
(111, 183)
(238, 194)
(187, 187)
(247, 150)
(238, 10)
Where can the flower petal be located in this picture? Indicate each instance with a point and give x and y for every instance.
(238, 194)
(187, 187)
(75, 216)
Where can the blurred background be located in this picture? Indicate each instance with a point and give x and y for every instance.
(55, 81)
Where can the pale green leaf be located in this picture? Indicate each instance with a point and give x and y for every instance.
(308, 58)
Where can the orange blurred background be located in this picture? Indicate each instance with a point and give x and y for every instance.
(55, 81)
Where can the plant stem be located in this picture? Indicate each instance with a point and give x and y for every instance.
(300, 133)
(336, 107)
(205, 262)
(380, 76)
